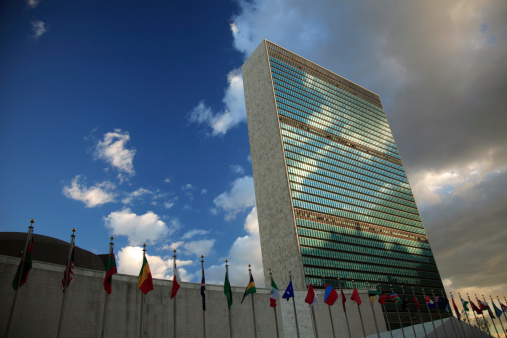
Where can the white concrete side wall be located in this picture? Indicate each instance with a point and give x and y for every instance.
(39, 302)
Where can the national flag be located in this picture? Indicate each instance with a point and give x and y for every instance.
(372, 294)
(330, 295)
(203, 290)
(382, 298)
(24, 267)
(355, 297)
(311, 296)
(71, 272)
(289, 292)
(465, 304)
(176, 280)
(475, 308)
(404, 303)
(394, 297)
(145, 283)
(343, 300)
(416, 302)
(483, 305)
(250, 288)
(429, 302)
(442, 303)
(504, 307)
(497, 310)
(455, 308)
(227, 290)
(275, 294)
(110, 271)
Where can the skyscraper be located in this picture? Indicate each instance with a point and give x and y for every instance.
(333, 198)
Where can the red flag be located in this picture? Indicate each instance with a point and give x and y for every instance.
(382, 298)
(71, 272)
(416, 302)
(355, 297)
(475, 308)
(176, 281)
(311, 296)
(343, 300)
(110, 271)
(455, 308)
(330, 295)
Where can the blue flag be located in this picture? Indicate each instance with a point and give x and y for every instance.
(404, 303)
(289, 292)
(497, 310)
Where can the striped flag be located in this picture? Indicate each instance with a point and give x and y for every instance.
(311, 296)
(203, 290)
(275, 294)
(25, 265)
(145, 283)
(176, 280)
(71, 272)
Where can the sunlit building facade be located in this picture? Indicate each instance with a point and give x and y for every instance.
(333, 198)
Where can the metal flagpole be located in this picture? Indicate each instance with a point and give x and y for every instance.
(253, 306)
(104, 317)
(359, 310)
(505, 316)
(490, 316)
(66, 283)
(499, 317)
(345, 311)
(429, 312)
(18, 282)
(466, 313)
(475, 316)
(438, 310)
(142, 296)
(294, 304)
(385, 312)
(448, 307)
(313, 314)
(203, 301)
(483, 318)
(408, 310)
(399, 319)
(502, 309)
(458, 316)
(274, 309)
(174, 304)
(419, 312)
(373, 311)
(329, 307)
(230, 321)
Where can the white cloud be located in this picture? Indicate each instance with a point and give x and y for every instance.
(233, 113)
(97, 194)
(168, 205)
(204, 191)
(39, 28)
(187, 186)
(139, 229)
(112, 149)
(238, 199)
(135, 195)
(33, 3)
(198, 248)
(167, 180)
(237, 169)
(195, 232)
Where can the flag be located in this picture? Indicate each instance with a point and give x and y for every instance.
(110, 271)
(203, 290)
(416, 302)
(497, 310)
(275, 294)
(404, 303)
(382, 298)
(71, 271)
(355, 297)
(442, 303)
(330, 295)
(311, 296)
(483, 305)
(145, 283)
(394, 297)
(465, 304)
(176, 280)
(475, 308)
(429, 302)
(250, 288)
(372, 294)
(289, 292)
(24, 267)
(227, 290)
(343, 300)
(504, 308)
(455, 308)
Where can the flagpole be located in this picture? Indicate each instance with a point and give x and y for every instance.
(385, 312)
(174, 304)
(505, 316)
(329, 308)
(228, 307)
(419, 312)
(294, 305)
(373, 311)
(65, 285)
(408, 310)
(466, 313)
(499, 317)
(502, 309)
(457, 316)
(492, 319)
(397, 313)
(18, 282)
(429, 312)
(475, 316)
(104, 317)
(203, 302)
(345, 311)
(438, 310)
(142, 296)
(274, 309)
(449, 307)
(483, 318)
(359, 310)
(253, 306)
(313, 313)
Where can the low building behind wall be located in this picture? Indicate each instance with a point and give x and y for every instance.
(39, 303)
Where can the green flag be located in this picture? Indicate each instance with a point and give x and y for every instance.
(227, 290)
(465, 305)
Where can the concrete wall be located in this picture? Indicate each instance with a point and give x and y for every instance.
(39, 302)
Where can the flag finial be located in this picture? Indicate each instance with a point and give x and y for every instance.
(112, 237)
(32, 221)
(226, 261)
(73, 231)
(202, 258)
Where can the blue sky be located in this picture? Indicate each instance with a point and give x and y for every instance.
(127, 118)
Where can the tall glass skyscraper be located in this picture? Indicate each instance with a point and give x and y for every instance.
(333, 198)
